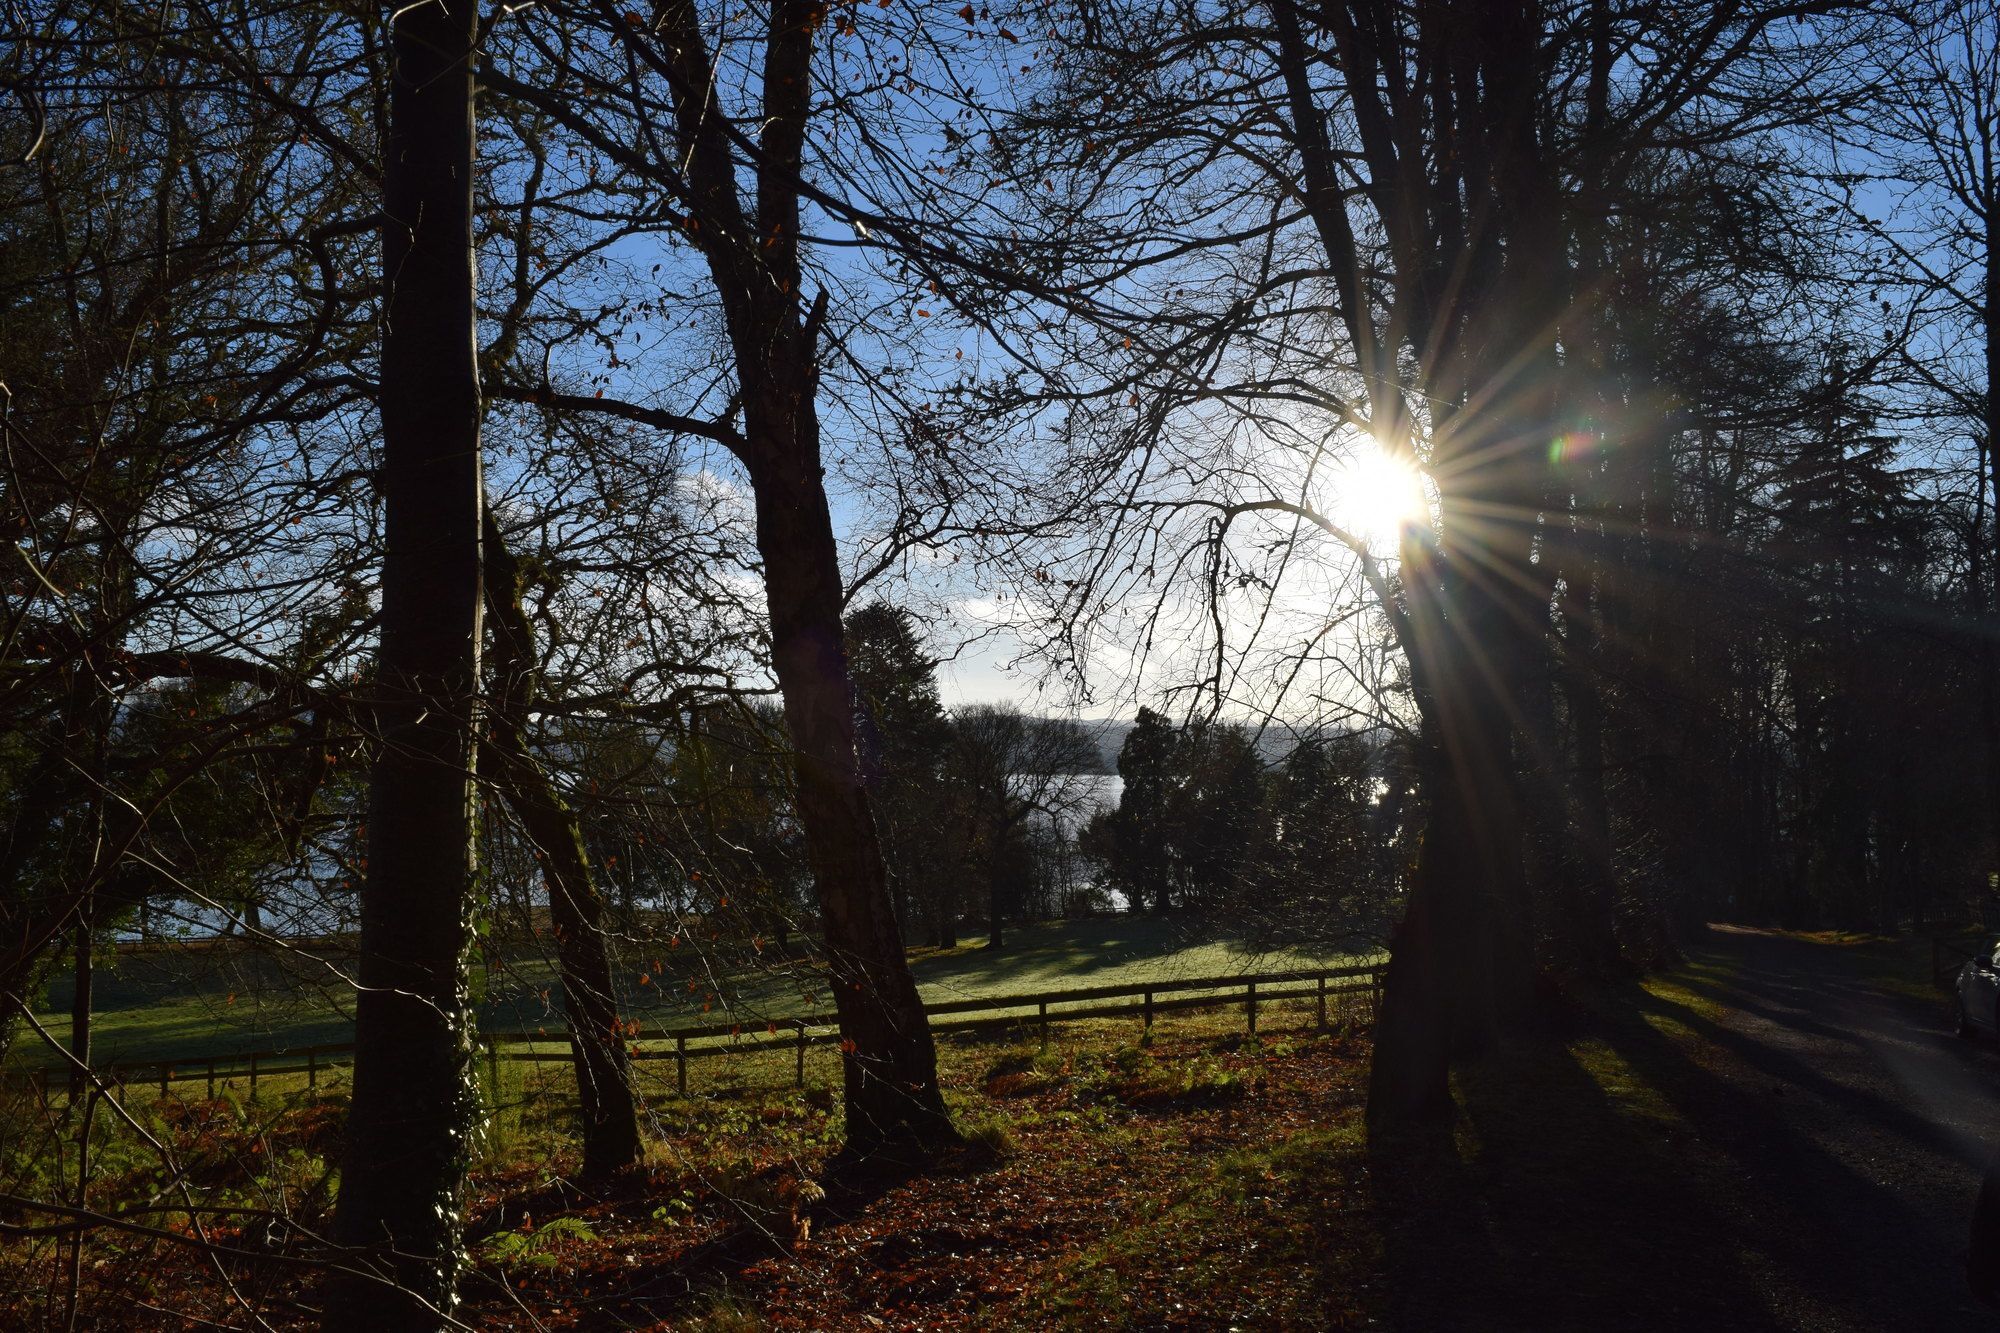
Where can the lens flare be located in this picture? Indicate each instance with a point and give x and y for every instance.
(1376, 494)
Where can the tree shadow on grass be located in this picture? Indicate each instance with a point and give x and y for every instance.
(1073, 953)
(1556, 1207)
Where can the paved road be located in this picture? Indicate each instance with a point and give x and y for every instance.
(1860, 1122)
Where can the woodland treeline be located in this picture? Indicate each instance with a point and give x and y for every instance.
(448, 447)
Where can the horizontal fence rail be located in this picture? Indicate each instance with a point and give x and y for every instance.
(798, 1034)
(1947, 957)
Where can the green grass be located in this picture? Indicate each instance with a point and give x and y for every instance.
(1175, 1127)
(1117, 951)
(178, 1004)
(1290, 1203)
(1605, 1179)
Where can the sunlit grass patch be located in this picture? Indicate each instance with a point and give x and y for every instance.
(1210, 1248)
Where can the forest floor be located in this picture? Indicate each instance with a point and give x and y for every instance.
(1780, 1134)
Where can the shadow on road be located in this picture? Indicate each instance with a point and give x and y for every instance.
(1762, 1141)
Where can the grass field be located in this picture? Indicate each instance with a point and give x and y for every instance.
(1192, 1177)
(181, 1004)
(1105, 1173)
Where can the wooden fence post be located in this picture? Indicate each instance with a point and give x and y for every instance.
(1355, 982)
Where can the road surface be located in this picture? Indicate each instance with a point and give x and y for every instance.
(1862, 1126)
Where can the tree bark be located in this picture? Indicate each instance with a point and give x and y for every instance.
(1990, 468)
(414, 1102)
(609, 1116)
(1462, 965)
(80, 1004)
(893, 1103)
(996, 926)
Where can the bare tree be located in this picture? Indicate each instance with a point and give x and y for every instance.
(1010, 768)
(576, 909)
(750, 247)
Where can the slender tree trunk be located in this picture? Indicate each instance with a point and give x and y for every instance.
(996, 917)
(415, 1100)
(893, 1103)
(1990, 468)
(610, 1119)
(80, 1003)
(894, 1106)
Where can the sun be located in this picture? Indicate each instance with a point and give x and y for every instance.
(1375, 494)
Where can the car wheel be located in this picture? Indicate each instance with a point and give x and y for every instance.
(1961, 1021)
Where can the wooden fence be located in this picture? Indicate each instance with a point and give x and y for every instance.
(797, 1035)
(1948, 956)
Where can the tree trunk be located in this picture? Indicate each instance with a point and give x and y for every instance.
(1990, 466)
(1409, 1087)
(996, 926)
(414, 1102)
(894, 1106)
(1456, 968)
(893, 1102)
(610, 1120)
(1588, 919)
(80, 1002)
(1462, 964)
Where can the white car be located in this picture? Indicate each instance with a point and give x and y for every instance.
(1976, 997)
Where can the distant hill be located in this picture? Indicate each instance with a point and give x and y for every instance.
(1110, 734)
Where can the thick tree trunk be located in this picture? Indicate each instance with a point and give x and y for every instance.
(1459, 969)
(414, 1102)
(893, 1102)
(1409, 1087)
(610, 1119)
(1588, 920)
(1462, 964)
